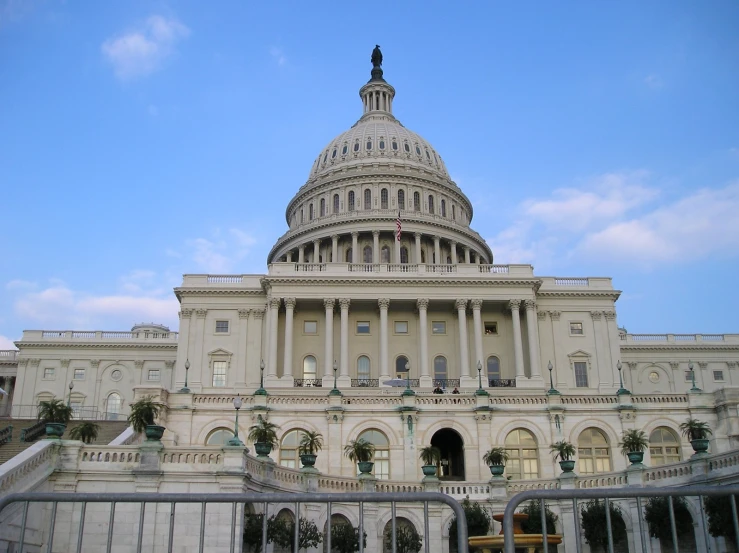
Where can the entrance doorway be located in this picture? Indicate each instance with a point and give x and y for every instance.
(451, 445)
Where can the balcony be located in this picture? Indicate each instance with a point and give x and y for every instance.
(501, 382)
(365, 382)
(307, 383)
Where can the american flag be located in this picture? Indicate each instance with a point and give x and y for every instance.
(398, 227)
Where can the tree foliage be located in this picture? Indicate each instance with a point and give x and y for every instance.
(533, 524)
(594, 524)
(657, 515)
(407, 539)
(720, 521)
(280, 531)
(253, 532)
(478, 520)
(345, 538)
(86, 432)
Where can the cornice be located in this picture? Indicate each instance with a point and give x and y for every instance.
(672, 346)
(181, 292)
(610, 294)
(403, 281)
(102, 345)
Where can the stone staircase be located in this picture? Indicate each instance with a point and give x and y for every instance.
(107, 432)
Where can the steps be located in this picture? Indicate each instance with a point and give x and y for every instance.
(107, 432)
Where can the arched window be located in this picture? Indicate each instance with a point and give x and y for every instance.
(309, 367)
(593, 453)
(302, 216)
(351, 201)
(219, 436)
(367, 254)
(431, 204)
(333, 153)
(401, 199)
(381, 469)
(368, 199)
(407, 147)
(383, 198)
(310, 212)
(336, 203)
(289, 446)
(440, 368)
(349, 255)
(369, 143)
(454, 212)
(356, 146)
(400, 362)
(384, 254)
(523, 456)
(363, 367)
(404, 255)
(664, 446)
(323, 207)
(113, 406)
(344, 149)
(395, 144)
(443, 208)
(493, 370)
(416, 201)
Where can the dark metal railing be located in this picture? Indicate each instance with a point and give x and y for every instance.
(32, 432)
(502, 382)
(307, 383)
(236, 500)
(446, 382)
(6, 434)
(622, 493)
(365, 382)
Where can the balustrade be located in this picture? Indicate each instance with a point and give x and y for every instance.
(501, 382)
(365, 382)
(307, 383)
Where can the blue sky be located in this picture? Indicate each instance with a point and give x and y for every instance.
(146, 139)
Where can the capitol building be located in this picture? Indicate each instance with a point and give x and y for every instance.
(383, 315)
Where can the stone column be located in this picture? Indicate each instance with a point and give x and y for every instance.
(355, 246)
(437, 251)
(328, 303)
(466, 254)
(183, 348)
(198, 377)
(241, 377)
(464, 362)
(514, 306)
(335, 248)
(375, 246)
(396, 250)
(417, 236)
(531, 327)
(384, 303)
(344, 360)
(254, 351)
(301, 253)
(274, 313)
(287, 363)
(423, 304)
(453, 246)
(289, 257)
(477, 321)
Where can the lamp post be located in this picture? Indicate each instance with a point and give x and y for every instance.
(480, 391)
(692, 377)
(261, 391)
(621, 390)
(185, 389)
(552, 391)
(71, 387)
(335, 391)
(408, 391)
(238, 402)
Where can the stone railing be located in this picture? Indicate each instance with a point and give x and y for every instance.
(99, 335)
(471, 270)
(387, 486)
(498, 269)
(678, 338)
(515, 486)
(602, 480)
(8, 355)
(337, 484)
(660, 399)
(29, 467)
(475, 490)
(110, 455)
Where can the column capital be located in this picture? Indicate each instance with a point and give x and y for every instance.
(417, 235)
(355, 234)
(476, 304)
(258, 313)
(244, 313)
(466, 248)
(335, 237)
(514, 305)
(329, 303)
(542, 315)
(316, 241)
(344, 303)
(530, 304)
(169, 364)
(609, 315)
(201, 313)
(375, 233)
(453, 242)
(384, 303)
(595, 315)
(437, 239)
(422, 303)
(274, 303)
(94, 363)
(301, 247)
(290, 303)
(460, 304)
(185, 313)
(555, 315)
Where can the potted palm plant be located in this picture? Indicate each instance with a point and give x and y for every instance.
(142, 416)
(633, 444)
(86, 432)
(495, 458)
(264, 436)
(56, 414)
(697, 432)
(310, 444)
(361, 451)
(564, 450)
(430, 457)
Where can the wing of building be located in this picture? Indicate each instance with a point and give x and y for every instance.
(383, 316)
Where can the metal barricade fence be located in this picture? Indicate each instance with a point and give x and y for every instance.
(620, 493)
(235, 499)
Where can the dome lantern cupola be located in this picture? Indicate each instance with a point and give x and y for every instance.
(377, 96)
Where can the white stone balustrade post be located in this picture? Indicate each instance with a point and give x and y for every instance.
(287, 367)
(384, 303)
(514, 306)
(464, 361)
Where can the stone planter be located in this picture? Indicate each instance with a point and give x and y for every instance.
(308, 459)
(567, 466)
(55, 430)
(153, 432)
(700, 445)
(365, 467)
(497, 470)
(429, 470)
(635, 457)
(263, 449)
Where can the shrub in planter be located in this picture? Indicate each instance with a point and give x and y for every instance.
(310, 444)
(360, 451)
(264, 436)
(56, 414)
(86, 432)
(430, 457)
(633, 444)
(496, 458)
(142, 416)
(478, 520)
(697, 432)
(565, 451)
(407, 539)
(594, 524)
(657, 515)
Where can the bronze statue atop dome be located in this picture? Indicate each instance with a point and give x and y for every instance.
(376, 56)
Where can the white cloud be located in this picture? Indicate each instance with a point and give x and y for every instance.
(221, 252)
(278, 55)
(142, 51)
(6, 343)
(20, 285)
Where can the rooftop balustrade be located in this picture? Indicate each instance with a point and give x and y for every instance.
(647, 339)
(98, 335)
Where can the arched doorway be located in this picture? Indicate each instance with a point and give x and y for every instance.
(451, 445)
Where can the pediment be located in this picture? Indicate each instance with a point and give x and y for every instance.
(220, 351)
(578, 353)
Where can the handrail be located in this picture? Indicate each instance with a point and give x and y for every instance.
(32, 432)
(6, 434)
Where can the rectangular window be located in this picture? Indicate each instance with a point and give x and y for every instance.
(49, 373)
(219, 374)
(718, 376)
(491, 329)
(310, 327)
(363, 327)
(221, 326)
(581, 375)
(438, 327)
(401, 327)
(79, 374)
(153, 374)
(576, 329)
